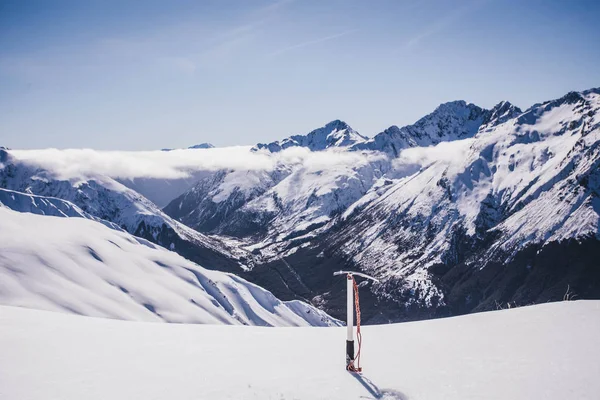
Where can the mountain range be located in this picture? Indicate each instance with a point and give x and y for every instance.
(468, 209)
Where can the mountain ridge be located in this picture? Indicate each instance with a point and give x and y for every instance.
(336, 133)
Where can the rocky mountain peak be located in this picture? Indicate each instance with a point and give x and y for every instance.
(501, 113)
(3, 154)
(449, 121)
(336, 133)
(571, 98)
(455, 109)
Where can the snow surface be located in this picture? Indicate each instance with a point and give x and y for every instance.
(81, 266)
(547, 351)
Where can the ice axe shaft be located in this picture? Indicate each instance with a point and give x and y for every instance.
(351, 303)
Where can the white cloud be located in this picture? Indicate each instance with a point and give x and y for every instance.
(88, 163)
(447, 152)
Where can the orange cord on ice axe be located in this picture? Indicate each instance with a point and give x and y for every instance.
(352, 367)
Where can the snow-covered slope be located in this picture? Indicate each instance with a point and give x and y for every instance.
(25, 202)
(210, 205)
(278, 205)
(42, 205)
(545, 352)
(80, 266)
(308, 199)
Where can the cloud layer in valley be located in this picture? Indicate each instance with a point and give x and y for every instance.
(447, 152)
(87, 163)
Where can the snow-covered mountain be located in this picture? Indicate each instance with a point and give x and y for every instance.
(450, 121)
(284, 202)
(514, 217)
(276, 205)
(80, 266)
(107, 199)
(209, 206)
(461, 210)
(334, 134)
(547, 351)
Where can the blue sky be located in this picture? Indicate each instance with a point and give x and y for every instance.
(150, 74)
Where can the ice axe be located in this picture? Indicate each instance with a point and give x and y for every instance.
(352, 302)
